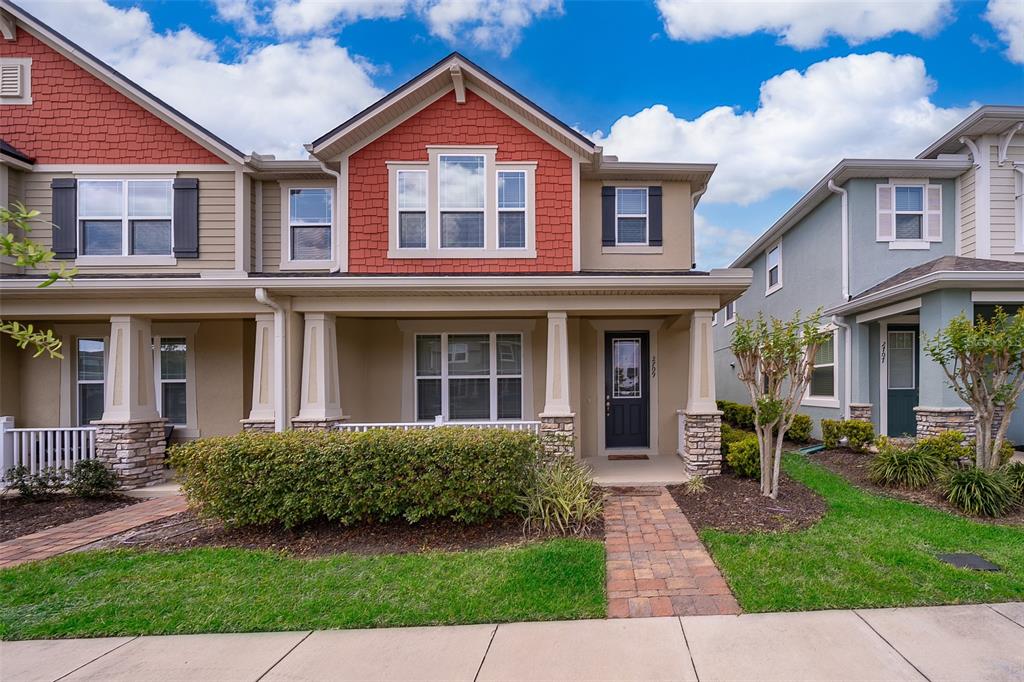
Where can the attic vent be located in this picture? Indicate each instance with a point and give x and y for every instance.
(15, 81)
(10, 80)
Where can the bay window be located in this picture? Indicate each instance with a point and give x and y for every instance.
(469, 377)
(125, 217)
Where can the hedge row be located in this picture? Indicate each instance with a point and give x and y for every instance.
(741, 416)
(458, 473)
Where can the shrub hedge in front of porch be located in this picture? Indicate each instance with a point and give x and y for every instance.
(459, 473)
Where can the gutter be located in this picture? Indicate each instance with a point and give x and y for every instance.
(847, 365)
(845, 221)
(335, 247)
(907, 289)
(280, 359)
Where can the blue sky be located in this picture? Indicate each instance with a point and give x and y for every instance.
(775, 93)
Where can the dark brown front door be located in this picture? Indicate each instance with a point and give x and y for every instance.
(627, 399)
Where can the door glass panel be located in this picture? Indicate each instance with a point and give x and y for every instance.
(626, 378)
(901, 360)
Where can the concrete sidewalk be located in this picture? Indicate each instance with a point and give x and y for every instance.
(954, 643)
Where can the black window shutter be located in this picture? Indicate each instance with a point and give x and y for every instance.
(64, 208)
(608, 216)
(654, 215)
(186, 218)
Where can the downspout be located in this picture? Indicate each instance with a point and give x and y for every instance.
(847, 364)
(845, 222)
(337, 202)
(280, 359)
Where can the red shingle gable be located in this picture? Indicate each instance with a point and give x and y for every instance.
(446, 123)
(76, 118)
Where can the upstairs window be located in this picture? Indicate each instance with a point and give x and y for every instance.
(631, 215)
(773, 269)
(412, 209)
(511, 209)
(730, 312)
(461, 201)
(125, 217)
(310, 216)
(909, 212)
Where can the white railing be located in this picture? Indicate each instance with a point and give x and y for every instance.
(41, 448)
(532, 427)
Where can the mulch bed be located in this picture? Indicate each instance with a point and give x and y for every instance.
(732, 503)
(186, 530)
(853, 466)
(20, 516)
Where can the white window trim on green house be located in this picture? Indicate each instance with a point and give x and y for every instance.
(770, 288)
(832, 401)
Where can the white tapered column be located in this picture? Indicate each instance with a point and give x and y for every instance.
(558, 422)
(320, 398)
(264, 396)
(701, 393)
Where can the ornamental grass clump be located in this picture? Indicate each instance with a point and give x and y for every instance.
(561, 498)
(904, 468)
(1014, 472)
(462, 474)
(979, 492)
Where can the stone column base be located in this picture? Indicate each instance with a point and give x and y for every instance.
(861, 412)
(700, 442)
(258, 425)
(558, 435)
(133, 450)
(317, 424)
(932, 421)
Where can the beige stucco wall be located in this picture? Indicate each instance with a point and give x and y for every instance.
(10, 378)
(34, 398)
(677, 229)
(221, 376)
(216, 221)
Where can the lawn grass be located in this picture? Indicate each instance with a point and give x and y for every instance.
(868, 551)
(126, 592)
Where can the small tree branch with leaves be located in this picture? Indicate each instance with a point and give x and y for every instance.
(984, 365)
(15, 244)
(775, 360)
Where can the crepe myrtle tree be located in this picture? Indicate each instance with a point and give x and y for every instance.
(25, 253)
(984, 365)
(775, 359)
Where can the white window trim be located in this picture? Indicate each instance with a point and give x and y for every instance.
(768, 288)
(645, 216)
(126, 258)
(399, 210)
(725, 314)
(492, 376)
(525, 210)
(187, 331)
(491, 168)
(824, 400)
(26, 82)
(287, 262)
(489, 241)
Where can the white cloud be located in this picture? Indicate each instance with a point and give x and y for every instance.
(861, 106)
(494, 24)
(299, 17)
(717, 246)
(1007, 18)
(271, 99)
(243, 13)
(802, 24)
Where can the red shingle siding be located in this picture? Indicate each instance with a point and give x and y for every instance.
(474, 123)
(76, 118)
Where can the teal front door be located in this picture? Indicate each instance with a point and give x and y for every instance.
(902, 372)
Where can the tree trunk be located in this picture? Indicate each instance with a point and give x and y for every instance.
(767, 448)
(776, 464)
(983, 450)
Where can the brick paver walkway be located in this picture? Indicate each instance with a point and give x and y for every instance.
(69, 536)
(656, 564)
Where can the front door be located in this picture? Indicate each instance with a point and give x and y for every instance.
(627, 399)
(903, 375)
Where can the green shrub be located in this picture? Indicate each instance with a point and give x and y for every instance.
(1014, 472)
(37, 486)
(89, 478)
(904, 468)
(858, 434)
(800, 431)
(744, 457)
(731, 435)
(948, 447)
(463, 474)
(737, 415)
(979, 492)
(561, 498)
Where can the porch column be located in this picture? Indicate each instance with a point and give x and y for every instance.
(939, 408)
(320, 397)
(557, 421)
(130, 436)
(262, 414)
(700, 424)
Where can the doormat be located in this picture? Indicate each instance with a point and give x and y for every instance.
(620, 458)
(639, 491)
(972, 561)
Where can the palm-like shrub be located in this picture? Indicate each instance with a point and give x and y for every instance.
(561, 498)
(979, 492)
(1014, 472)
(904, 468)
